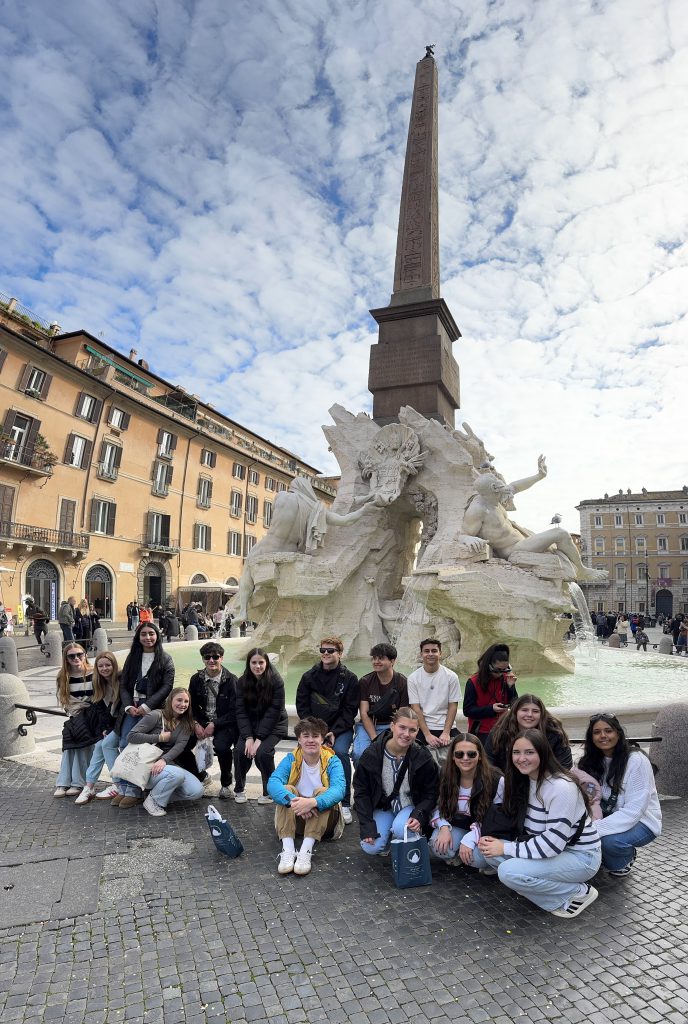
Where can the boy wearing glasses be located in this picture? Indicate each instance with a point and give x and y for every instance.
(213, 706)
(330, 691)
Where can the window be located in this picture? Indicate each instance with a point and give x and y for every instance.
(281, 486)
(620, 607)
(267, 513)
(684, 543)
(103, 516)
(205, 492)
(78, 451)
(249, 543)
(118, 418)
(270, 483)
(620, 545)
(662, 544)
(663, 572)
(251, 508)
(88, 407)
(638, 518)
(599, 546)
(253, 477)
(20, 437)
(641, 575)
(158, 529)
(621, 573)
(201, 537)
(208, 458)
(641, 607)
(683, 518)
(598, 520)
(684, 573)
(110, 459)
(660, 519)
(34, 382)
(162, 478)
(236, 504)
(600, 606)
(238, 471)
(167, 443)
(640, 545)
(618, 520)
(234, 544)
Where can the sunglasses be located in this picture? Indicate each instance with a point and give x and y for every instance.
(75, 657)
(470, 754)
(327, 650)
(603, 716)
(211, 657)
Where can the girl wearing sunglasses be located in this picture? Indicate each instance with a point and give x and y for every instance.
(468, 786)
(87, 719)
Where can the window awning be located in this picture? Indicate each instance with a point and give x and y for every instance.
(122, 369)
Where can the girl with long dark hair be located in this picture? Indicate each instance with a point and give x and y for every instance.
(632, 816)
(490, 691)
(528, 712)
(147, 678)
(262, 722)
(558, 849)
(468, 786)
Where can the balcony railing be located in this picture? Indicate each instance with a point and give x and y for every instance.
(27, 455)
(105, 472)
(162, 545)
(39, 535)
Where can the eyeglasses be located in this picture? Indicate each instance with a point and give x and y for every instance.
(470, 754)
(211, 657)
(74, 656)
(327, 650)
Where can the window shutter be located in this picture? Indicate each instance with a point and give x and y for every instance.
(160, 433)
(154, 469)
(208, 535)
(169, 470)
(69, 448)
(110, 412)
(173, 442)
(86, 457)
(67, 515)
(24, 379)
(45, 386)
(213, 455)
(79, 403)
(32, 435)
(3, 357)
(111, 513)
(94, 514)
(125, 421)
(210, 490)
(165, 531)
(9, 421)
(95, 412)
(118, 457)
(103, 449)
(148, 525)
(195, 536)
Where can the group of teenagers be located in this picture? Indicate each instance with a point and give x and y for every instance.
(502, 798)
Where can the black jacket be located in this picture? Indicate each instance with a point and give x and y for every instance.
(332, 696)
(261, 722)
(423, 779)
(561, 750)
(159, 687)
(86, 727)
(225, 708)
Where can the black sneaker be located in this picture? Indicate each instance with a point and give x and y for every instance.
(622, 872)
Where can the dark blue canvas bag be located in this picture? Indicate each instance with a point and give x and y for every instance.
(411, 861)
(224, 836)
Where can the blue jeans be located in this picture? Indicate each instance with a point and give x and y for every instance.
(457, 835)
(362, 740)
(174, 782)
(551, 882)
(73, 767)
(128, 723)
(617, 850)
(67, 632)
(341, 748)
(104, 752)
(390, 826)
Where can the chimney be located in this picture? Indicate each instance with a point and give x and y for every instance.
(133, 354)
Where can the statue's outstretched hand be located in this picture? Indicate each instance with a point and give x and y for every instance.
(542, 465)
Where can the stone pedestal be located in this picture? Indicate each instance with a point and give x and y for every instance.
(666, 643)
(614, 640)
(8, 655)
(191, 633)
(53, 642)
(671, 755)
(12, 690)
(100, 641)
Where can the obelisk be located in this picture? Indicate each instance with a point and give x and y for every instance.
(412, 362)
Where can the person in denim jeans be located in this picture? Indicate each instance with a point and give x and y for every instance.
(105, 688)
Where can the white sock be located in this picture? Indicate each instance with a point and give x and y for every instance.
(288, 846)
(307, 845)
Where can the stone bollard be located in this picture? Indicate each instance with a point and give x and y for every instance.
(53, 642)
(100, 641)
(191, 633)
(614, 640)
(671, 755)
(13, 691)
(666, 643)
(8, 656)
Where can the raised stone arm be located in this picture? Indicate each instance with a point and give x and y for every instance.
(523, 485)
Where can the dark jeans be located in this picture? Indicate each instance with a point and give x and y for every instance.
(265, 762)
(67, 632)
(223, 741)
(39, 632)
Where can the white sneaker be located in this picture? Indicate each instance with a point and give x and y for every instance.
(86, 794)
(225, 792)
(286, 862)
(153, 808)
(303, 862)
(74, 791)
(240, 798)
(264, 799)
(578, 904)
(107, 794)
(60, 791)
(347, 817)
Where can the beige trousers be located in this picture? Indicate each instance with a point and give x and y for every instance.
(289, 825)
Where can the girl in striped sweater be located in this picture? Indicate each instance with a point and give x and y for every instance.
(559, 849)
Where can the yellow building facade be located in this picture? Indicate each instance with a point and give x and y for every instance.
(116, 484)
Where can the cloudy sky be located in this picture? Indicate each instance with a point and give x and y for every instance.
(216, 183)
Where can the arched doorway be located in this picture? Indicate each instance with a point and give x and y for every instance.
(98, 584)
(153, 583)
(43, 583)
(664, 602)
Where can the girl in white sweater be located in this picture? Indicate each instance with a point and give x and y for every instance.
(632, 816)
(559, 849)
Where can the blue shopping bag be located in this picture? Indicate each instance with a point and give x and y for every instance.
(224, 836)
(411, 861)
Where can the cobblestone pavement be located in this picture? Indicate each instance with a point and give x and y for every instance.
(131, 918)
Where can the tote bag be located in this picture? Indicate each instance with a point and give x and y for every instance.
(224, 836)
(411, 861)
(135, 762)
